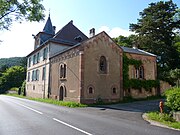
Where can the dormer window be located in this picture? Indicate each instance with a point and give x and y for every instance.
(78, 38)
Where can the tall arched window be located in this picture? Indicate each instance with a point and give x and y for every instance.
(103, 65)
(141, 72)
(62, 70)
(64, 73)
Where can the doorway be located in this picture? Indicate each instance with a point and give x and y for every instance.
(61, 93)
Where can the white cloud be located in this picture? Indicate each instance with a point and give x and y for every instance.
(18, 41)
(115, 32)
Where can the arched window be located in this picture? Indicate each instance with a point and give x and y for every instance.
(103, 65)
(141, 72)
(90, 89)
(114, 91)
(62, 70)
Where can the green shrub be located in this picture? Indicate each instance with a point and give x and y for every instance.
(173, 99)
(14, 89)
(23, 88)
(160, 117)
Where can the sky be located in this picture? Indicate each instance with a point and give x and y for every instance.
(111, 16)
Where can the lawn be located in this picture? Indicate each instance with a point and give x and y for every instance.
(164, 118)
(51, 101)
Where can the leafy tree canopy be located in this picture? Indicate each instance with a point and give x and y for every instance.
(156, 31)
(13, 61)
(12, 77)
(17, 10)
(125, 41)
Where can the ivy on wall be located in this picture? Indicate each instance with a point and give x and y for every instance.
(135, 83)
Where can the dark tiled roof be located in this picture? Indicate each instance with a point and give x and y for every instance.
(70, 33)
(136, 51)
(67, 49)
(48, 28)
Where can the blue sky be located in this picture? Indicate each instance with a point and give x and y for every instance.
(112, 16)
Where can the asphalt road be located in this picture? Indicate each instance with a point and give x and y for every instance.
(24, 117)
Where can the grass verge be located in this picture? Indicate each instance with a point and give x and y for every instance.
(51, 101)
(164, 118)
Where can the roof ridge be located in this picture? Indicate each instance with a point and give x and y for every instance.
(61, 29)
(70, 22)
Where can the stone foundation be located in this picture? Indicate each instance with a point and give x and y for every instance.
(176, 116)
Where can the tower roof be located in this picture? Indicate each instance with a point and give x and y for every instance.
(48, 28)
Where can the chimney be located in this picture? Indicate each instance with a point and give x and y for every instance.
(91, 32)
(134, 45)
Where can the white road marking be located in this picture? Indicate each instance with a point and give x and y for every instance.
(30, 108)
(72, 126)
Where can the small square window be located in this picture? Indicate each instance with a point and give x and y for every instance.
(33, 87)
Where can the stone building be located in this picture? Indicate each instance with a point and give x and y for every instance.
(147, 71)
(47, 43)
(69, 66)
(88, 72)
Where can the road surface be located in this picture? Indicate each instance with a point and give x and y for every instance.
(25, 117)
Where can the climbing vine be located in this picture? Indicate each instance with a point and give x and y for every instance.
(135, 83)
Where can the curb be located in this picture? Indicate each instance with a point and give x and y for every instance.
(155, 123)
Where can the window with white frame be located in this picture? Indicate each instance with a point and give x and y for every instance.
(34, 59)
(38, 57)
(32, 75)
(44, 73)
(28, 76)
(37, 75)
(29, 62)
(45, 51)
(139, 73)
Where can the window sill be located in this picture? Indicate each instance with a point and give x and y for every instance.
(63, 79)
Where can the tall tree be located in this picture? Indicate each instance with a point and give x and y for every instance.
(156, 31)
(17, 10)
(12, 77)
(125, 41)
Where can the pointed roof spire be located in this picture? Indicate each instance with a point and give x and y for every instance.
(48, 28)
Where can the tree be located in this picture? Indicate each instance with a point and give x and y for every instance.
(17, 10)
(156, 30)
(177, 43)
(175, 74)
(12, 77)
(125, 41)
